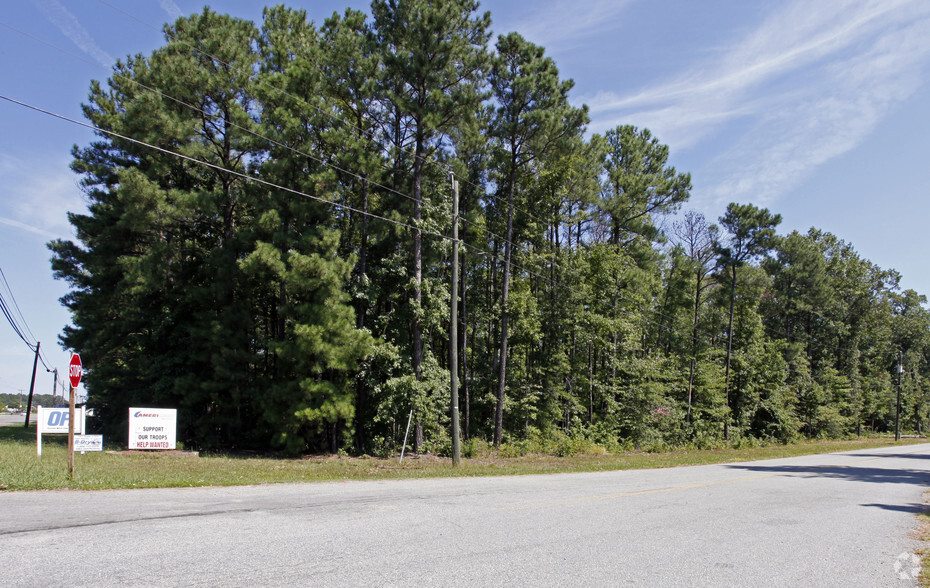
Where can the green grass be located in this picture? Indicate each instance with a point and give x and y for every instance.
(21, 469)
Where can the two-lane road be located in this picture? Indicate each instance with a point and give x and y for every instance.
(829, 520)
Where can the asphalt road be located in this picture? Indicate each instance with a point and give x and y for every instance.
(14, 419)
(840, 519)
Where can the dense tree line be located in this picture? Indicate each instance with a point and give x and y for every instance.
(267, 248)
(22, 400)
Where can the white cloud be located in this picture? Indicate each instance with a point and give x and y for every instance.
(28, 228)
(550, 25)
(810, 83)
(36, 199)
(170, 8)
(70, 27)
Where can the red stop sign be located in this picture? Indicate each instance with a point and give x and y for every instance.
(74, 370)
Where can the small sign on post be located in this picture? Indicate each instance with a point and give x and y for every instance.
(84, 443)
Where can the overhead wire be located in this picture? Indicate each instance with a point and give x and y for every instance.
(12, 320)
(21, 326)
(283, 92)
(218, 167)
(296, 192)
(21, 330)
(16, 305)
(258, 135)
(316, 158)
(278, 186)
(8, 313)
(233, 124)
(361, 132)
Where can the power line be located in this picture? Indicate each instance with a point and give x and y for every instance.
(20, 330)
(258, 135)
(11, 317)
(44, 361)
(19, 312)
(320, 160)
(361, 132)
(293, 191)
(517, 266)
(218, 167)
(253, 133)
(12, 320)
(194, 108)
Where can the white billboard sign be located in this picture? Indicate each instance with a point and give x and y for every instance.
(153, 428)
(54, 421)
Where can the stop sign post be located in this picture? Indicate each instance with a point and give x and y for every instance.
(74, 374)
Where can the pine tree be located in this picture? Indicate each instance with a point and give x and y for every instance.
(532, 118)
(750, 232)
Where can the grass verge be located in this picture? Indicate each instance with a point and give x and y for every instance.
(21, 469)
(923, 534)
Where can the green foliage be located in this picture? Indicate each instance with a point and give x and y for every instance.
(21, 400)
(555, 443)
(293, 295)
(639, 184)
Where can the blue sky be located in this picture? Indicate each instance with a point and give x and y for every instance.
(816, 110)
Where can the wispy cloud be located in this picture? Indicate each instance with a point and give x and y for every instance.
(28, 228)
(170, 8)
(37, 200)
(807, 85)
(549, 23)
(70, 27)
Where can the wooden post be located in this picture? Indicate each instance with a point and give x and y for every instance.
(71, 434)
(404, 447)
(897, 414)
(39, 434)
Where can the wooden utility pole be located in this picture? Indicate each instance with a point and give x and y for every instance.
(32, 384)
(897, 415)
(453, 326)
